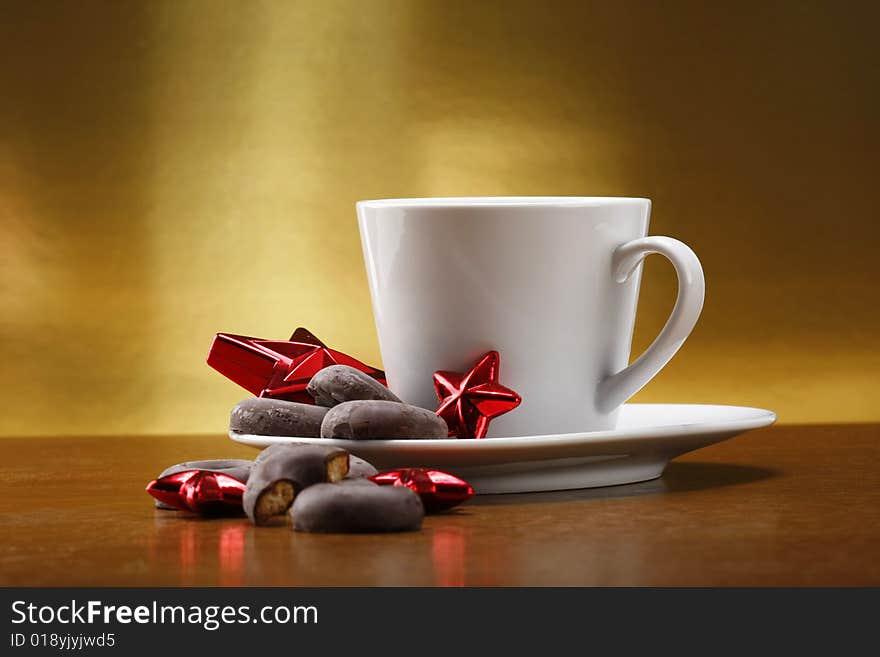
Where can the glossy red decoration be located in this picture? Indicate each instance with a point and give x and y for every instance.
(280, 369)
(207, 493)
(439, 490)
(468, 402)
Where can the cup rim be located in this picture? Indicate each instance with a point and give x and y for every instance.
(501, 201)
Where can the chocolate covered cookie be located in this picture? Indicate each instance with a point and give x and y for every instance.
(340, 383)
(360, 469)
(276, 417)
(378, 420)
(281, 472)
(356, 507)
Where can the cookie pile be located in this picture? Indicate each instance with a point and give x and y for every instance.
(313, 487)
(348, 404)
(319, 488)
(320, 491)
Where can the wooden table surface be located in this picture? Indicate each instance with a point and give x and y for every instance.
(785, 505)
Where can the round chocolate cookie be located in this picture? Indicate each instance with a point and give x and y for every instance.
(235, 468)
(378, 420)
(340, 383)
(356, 507)
(276, 417)
(282, 471)
(359, 469)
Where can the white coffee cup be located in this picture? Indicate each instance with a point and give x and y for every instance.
(551, 283)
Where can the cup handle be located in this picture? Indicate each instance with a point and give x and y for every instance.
(615, 389)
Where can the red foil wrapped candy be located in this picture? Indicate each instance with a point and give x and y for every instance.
(280, 369)
(439, 490)
(469, 401)
(206, 493)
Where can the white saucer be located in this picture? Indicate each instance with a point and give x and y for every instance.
(646, 438)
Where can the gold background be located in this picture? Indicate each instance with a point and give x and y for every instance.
(173, 169)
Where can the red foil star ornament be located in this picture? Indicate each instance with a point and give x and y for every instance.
(468, 402)
(439, 490)
(206, 493)
(280, 369)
